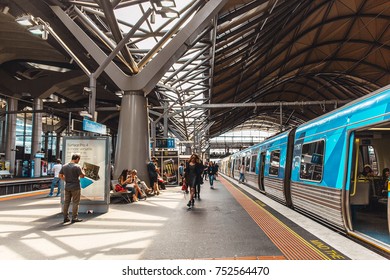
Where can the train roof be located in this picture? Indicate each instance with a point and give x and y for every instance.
(347, 107)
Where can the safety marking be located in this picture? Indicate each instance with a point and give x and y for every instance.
(290, 243)
(248, 258)
(21, 195)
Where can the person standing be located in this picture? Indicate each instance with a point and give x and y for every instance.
(211, 173)
(56, 180)
(71, 174)
(193, 174)
(181, 173)
(153, 175)
(242, 174)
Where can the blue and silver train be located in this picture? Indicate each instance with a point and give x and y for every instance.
(316, 168)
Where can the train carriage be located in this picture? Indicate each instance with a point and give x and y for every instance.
(316, 168)
(272, 164)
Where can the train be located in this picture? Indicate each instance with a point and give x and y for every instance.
(316, 168)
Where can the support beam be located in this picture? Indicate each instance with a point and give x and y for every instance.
(10, 148)
(147, 79)
(116, 32)
(36, 138)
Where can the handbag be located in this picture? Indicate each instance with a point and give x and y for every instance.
(184, 186)
(119, 188)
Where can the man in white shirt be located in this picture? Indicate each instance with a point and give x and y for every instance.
(56, 180)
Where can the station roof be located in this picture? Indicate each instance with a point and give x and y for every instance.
(313, 56)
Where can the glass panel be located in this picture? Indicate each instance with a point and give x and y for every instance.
(253, 163)
(274, 163)
(247, 163)
(312, 161)
(373, 160)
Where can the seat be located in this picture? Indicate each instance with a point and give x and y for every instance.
(123, 196)
(362, 194)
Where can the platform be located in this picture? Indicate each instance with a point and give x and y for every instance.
(230, 222)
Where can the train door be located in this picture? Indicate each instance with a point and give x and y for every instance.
(261, 171)
(369, 210)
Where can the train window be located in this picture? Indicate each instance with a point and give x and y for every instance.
(238, 163)
(373, 159)
(274, 163)
(253, 159)
(247, 163)
(253, 163)
(312, 161)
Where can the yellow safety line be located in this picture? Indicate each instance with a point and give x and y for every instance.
(21, 195)
(300, 238)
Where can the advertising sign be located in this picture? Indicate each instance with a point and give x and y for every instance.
(94, 161)
(168, 162)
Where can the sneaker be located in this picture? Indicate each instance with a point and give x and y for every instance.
(66, 220)
(49, 195)
(189, 204)
(77, 220)
(58, 194)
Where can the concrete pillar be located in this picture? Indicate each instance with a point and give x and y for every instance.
(3, 134)
(46, 147)
(10, 147)
(133, 148)
(36, 138)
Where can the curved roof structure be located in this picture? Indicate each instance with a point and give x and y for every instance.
(298, 51)
(281, 62)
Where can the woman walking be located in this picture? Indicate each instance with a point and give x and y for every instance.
(193, 174)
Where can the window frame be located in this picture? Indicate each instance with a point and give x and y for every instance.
(270, 161)
(322, 161)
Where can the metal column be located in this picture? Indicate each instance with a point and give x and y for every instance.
(36, 138)
(10, 149)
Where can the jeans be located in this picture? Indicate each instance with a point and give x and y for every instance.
(56, 180)
(242, 177)
(211, 178)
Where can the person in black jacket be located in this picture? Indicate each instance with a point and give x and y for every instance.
(193, 175)
(153, 175)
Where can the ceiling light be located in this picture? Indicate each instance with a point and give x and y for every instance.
(85, 114)
(119, 93)
(26, 20)
(39, 30)
(153, 18)
(166, 12)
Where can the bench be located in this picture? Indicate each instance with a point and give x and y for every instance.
(5, 174)
(123, 196)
